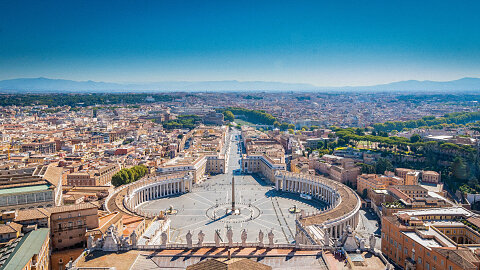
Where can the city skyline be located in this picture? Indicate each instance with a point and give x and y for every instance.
(270, 135)
(318, 43)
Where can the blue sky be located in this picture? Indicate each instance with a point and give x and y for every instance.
(323, 43)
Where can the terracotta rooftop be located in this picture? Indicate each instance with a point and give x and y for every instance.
(11, 227)
(349, 202)
(463, 257)
(73, 207)
(31, 214)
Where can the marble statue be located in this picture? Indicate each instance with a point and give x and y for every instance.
(164, 238)
(372, 241)
(90, 242)
(270, 239)
(244, 237)
(189, 239)
(362, 244)
(99, 242)
(260, 238)
(133, 238)
(217, 238)
(326, 235)
(69, 264)
(123, 242)
(350, 242)
(230, 237)
(111, 241)
(201, 236)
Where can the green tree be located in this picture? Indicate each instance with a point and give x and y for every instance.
(459, 169)
(130, 175)
(117, 180)
(284, 126)
(360, 131)
(383, 165)
(473, 182)
(229, 116)
(125, 176)
(367, 168)
(415, 138)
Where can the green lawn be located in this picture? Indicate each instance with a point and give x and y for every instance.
(243, 122)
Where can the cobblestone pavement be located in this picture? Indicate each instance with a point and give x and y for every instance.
(261, 207)
(368, 225)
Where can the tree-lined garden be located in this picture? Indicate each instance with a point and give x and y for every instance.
(429, 121)
(78, 100)
(130, 175)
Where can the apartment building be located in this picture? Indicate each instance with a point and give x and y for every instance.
(425, 239)
(412, 197)
(69, 224)
(205, 154)
(30, 252)
(431, 177)
(9, 230)
(377, 182)
(264, 156)
(23, 189)
(42, 147)
(338, 168)
(412, 177)
(94, 175)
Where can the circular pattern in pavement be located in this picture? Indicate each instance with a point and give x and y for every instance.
(222, 213)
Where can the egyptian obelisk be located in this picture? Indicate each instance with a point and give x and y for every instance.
(233, 194)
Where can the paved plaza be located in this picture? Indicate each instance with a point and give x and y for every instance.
(261, 207)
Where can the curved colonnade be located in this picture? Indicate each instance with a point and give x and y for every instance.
(343, 210)
(155, 187)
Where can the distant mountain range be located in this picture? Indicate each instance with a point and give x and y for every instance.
(45, 85)
(464, 84)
